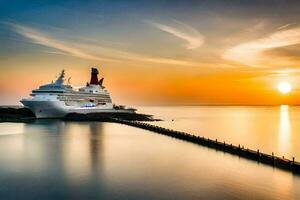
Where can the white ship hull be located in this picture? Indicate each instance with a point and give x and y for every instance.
(46, 109)
(57, 109)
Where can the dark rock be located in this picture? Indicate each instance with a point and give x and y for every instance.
(23, 114)
(108, 117)
(15, 114)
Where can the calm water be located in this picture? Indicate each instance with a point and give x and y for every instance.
(267, 128)
(68, 160)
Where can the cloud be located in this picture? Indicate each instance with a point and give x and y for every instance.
(251, 53)
(193, 38)
(83, 50)
(123, 55)
(42, 39)
(284, 26)
(256, 27)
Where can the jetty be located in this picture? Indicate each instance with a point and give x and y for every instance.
(255, 155)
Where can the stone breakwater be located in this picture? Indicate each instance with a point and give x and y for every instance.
(16, 114)
(22, 114)
(256, 155)
(107, 117)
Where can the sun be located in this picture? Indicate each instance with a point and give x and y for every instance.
(284, 87)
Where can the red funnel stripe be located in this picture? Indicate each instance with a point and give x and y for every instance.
(94, 76)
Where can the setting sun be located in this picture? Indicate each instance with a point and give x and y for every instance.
(284, 87)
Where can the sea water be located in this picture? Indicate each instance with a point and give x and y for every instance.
(52, 159)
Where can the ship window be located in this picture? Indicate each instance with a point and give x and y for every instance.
(91, 91)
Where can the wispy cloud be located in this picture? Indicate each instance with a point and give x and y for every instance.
(187, 33)
(87, 50)
(42, 39)
(284, 26)
(256, 27)
(251, 53)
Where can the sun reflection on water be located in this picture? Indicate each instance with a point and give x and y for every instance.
(284, 130)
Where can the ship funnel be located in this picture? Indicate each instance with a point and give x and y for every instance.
(94, 76)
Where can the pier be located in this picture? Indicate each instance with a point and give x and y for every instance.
(255, 155)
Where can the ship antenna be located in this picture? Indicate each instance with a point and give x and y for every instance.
(62, 74)
(69, 79)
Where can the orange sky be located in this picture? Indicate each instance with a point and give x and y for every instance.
(195, 55)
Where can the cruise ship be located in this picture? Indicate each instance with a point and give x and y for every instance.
(57, 99)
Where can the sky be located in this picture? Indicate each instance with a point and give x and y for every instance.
(166, 52)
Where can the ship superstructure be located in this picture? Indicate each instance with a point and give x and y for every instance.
(57, 99)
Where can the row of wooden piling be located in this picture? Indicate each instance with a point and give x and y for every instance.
(272, 160)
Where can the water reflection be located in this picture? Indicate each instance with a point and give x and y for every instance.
(11, 144)
(284, 130)
(82, 150)
(74, 149)
(66, 160)
(11, 128)
(267, 128)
